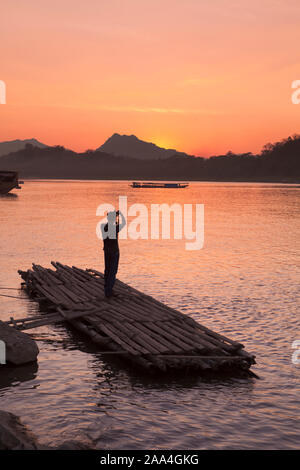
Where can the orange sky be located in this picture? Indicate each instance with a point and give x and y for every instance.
(202, 76)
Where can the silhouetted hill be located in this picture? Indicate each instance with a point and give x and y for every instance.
(15, 145)
(131, 146)
(277, 162)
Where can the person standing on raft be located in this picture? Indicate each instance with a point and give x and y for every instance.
(110, 233)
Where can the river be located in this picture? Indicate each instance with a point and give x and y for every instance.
(244, 283)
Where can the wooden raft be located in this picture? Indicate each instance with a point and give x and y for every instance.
(132, 324)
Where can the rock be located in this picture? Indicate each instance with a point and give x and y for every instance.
(11, 374)
(14, 435)
(73, 445)
(20, 348)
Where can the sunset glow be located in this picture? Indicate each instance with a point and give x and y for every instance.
(201, 77)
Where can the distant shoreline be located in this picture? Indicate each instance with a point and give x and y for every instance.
(277, 163)
(242, 180)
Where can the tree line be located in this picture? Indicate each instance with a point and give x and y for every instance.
(279, 161)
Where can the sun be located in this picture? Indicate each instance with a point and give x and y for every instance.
(161, 142)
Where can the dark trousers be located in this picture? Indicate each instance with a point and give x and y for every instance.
(111, 267)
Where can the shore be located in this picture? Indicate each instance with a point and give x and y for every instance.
(249, 180)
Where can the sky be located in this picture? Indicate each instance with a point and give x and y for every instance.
(201, 76)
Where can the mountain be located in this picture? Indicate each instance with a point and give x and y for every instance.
(278, 162)
(131, 146)
(15, 145)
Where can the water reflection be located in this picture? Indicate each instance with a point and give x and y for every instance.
(116, 371)
(244, 283)
(14, 375)
(9, 196)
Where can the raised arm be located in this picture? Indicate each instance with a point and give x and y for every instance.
(122, 222)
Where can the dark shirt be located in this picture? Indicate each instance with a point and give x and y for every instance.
(111, 245)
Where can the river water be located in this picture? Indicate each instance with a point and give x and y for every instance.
(244, 283)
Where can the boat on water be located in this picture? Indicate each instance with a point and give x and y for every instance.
(8, 181)
(148, 184)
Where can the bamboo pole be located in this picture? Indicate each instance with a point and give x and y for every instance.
(149, 343)
(201, 339)
(121, 339)
(160, 339)
(207, 338)
(150, 333)
(168, 335)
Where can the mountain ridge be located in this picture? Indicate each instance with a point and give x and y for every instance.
(117, 145)
(131, 146)
(10, 146)
(278, 162)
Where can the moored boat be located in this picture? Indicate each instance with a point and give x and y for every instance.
(8, 181)
(148, 184)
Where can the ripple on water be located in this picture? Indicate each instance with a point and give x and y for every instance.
(244, 283)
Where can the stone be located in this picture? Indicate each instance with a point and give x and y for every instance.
(19, 347)
(73, 445)
(14, 435)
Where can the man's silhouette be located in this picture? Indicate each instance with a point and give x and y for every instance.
(110, 233)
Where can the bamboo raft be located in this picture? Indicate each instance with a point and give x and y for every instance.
(131, 324)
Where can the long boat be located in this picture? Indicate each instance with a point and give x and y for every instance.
(8, 181)
(148, 184)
